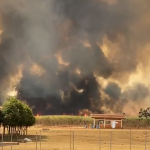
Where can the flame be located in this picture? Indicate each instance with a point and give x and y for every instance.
(60, 60)
(37, 70)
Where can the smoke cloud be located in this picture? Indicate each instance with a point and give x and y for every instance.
(66, 56)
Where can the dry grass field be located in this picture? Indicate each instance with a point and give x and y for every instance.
(85, 139)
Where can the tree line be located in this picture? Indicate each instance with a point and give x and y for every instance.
(16, 116)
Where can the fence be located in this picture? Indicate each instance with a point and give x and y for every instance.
(82, 139)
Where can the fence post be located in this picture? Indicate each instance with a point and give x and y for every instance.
(40, 139)
(130, 139)
(145, 139)
(73, 140)
(11, 138)
(2, 141)
(36, 140)
(99, 139)
(70, 139)
(110, 138)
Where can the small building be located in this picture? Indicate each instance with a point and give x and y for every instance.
(108, 121)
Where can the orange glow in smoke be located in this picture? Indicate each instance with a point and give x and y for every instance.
(78, 71)
(86, 43)
(36, 69)
(60, 60)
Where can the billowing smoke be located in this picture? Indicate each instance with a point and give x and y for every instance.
(67, 56)
(116, 99)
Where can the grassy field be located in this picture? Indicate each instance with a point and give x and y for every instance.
(85, 139)
(62, 120)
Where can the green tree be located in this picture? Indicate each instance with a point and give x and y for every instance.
(17, 116)
(28, 116)
(1, 116)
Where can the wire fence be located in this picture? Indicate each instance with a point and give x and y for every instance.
(79, 139)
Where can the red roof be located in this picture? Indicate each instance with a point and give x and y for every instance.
(105, 116)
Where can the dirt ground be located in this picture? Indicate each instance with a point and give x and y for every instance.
(84, 139)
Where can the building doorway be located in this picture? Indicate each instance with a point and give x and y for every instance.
(101, 123)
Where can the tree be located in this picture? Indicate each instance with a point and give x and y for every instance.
(1, 116)
(17, 116)
(29, 118)
(144, 113)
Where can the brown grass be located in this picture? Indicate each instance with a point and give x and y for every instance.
(85, 139)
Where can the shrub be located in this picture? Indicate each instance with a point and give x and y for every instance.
(63, 120)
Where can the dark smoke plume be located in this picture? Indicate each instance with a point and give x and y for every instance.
(117, 98)
(57, 46)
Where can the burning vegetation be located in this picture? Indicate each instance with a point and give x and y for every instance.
(68, 56)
